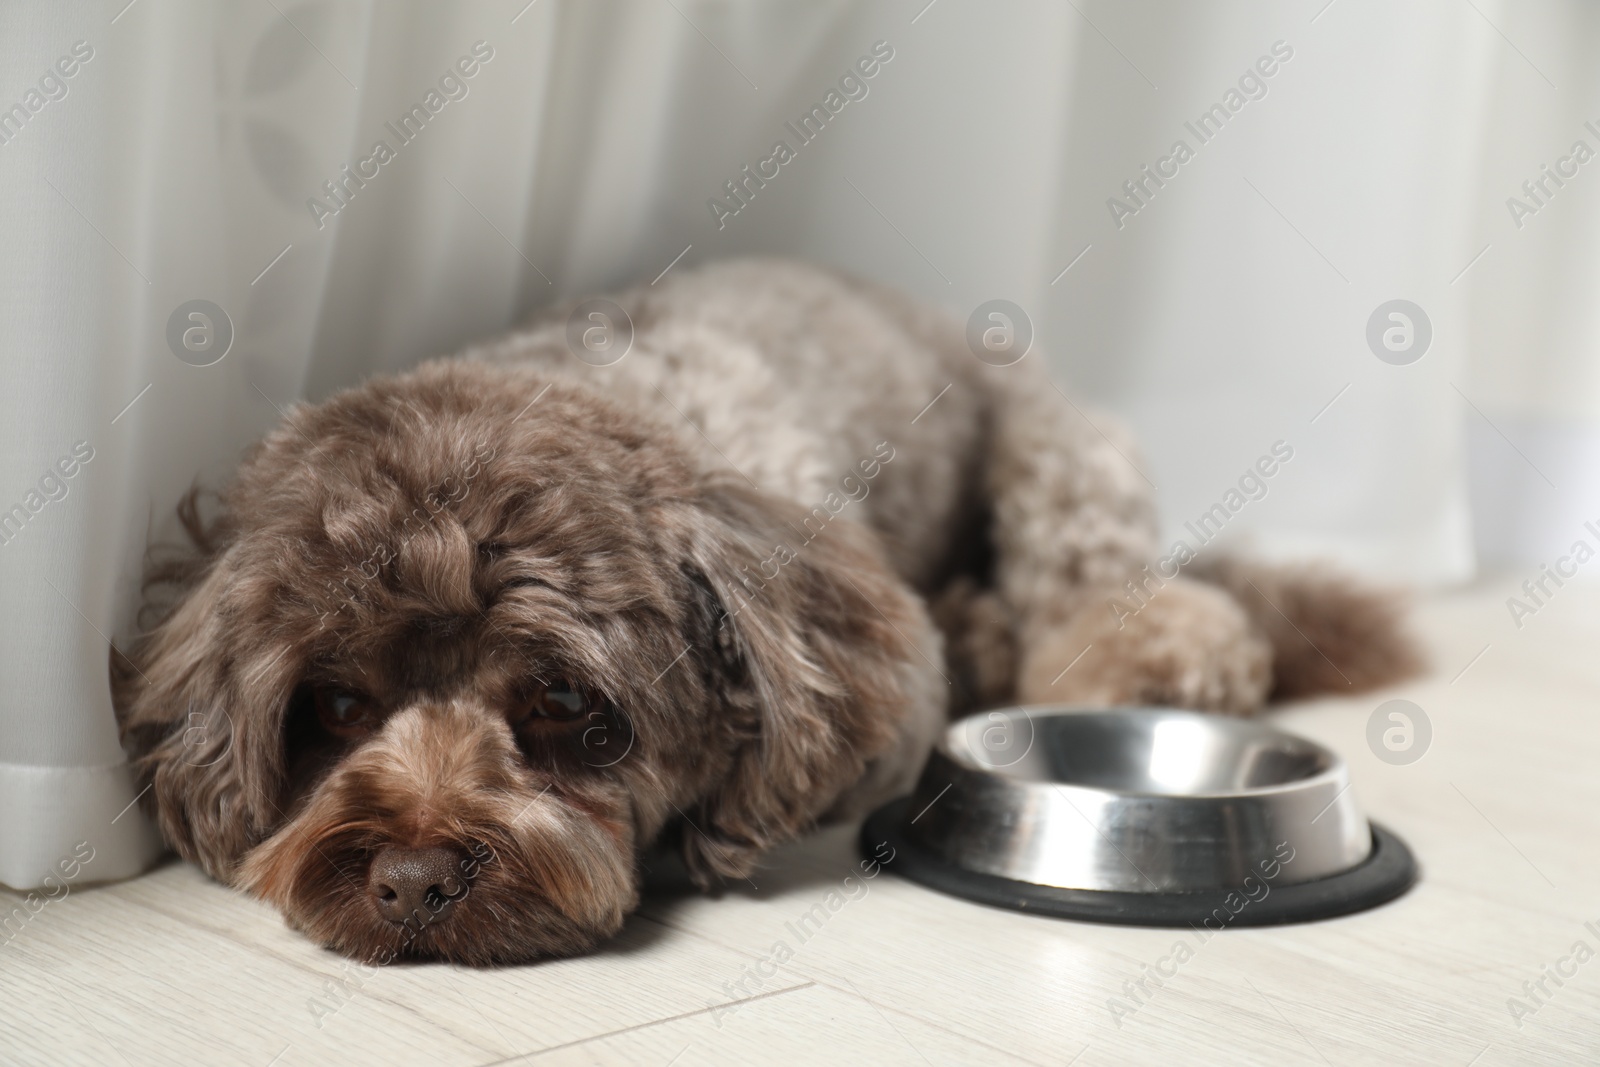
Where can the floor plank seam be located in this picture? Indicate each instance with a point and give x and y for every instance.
(525, 1056)
(822, 982)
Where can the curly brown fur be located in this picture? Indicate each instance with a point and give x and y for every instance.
(1191, 647)
(1329, 633)
(722, 546)
(979, 643)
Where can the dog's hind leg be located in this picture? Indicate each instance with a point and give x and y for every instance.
(1095, 619)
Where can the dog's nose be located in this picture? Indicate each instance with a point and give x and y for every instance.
(424, 883)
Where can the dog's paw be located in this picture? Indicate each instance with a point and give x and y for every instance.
(980, 645)
(1188, 646)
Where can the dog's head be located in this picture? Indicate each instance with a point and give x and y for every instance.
(455, 649)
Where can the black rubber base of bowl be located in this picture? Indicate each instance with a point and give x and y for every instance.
(1386, 873)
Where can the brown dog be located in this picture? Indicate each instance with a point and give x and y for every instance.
(461, 642)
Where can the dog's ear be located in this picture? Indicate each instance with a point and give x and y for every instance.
(809, 645)
(200, 702)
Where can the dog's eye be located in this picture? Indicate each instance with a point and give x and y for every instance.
(344, 713)
(561, 701)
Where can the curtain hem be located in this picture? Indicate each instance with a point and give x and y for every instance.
(92, 807)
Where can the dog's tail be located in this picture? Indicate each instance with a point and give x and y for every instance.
(1329, 632)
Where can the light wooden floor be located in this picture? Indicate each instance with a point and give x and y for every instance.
(169, 968)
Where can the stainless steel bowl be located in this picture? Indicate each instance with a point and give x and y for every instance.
(1137, 801)
(1150, 801)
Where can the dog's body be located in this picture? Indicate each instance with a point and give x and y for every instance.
(431, 602)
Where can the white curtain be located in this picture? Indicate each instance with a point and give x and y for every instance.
(569, 146)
